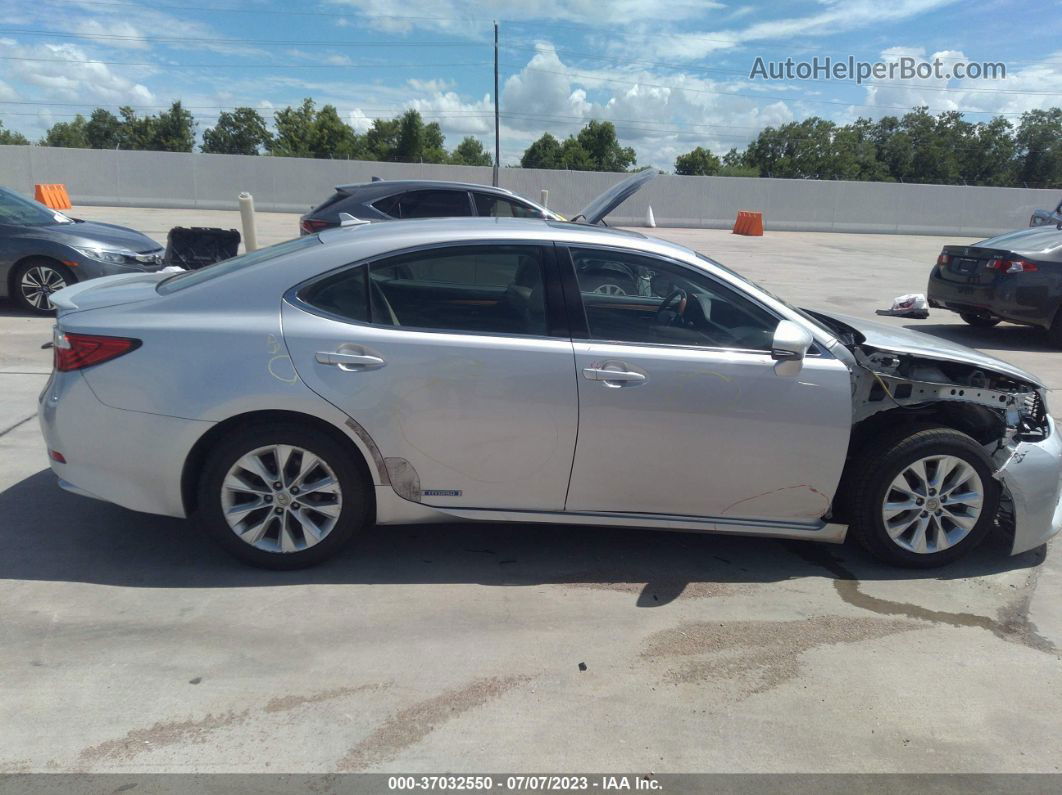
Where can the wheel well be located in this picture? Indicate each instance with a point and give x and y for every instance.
(193, 465)
(13, 270)
(978, 422)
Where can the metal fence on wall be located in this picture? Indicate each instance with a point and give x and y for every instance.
(179, 180)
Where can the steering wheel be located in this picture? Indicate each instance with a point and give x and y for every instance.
(677, 298)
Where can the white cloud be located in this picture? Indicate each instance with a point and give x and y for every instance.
(54, 77)
(132, 37)
(1016, 94)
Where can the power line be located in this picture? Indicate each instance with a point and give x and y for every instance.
(215, 40)
(169, 66)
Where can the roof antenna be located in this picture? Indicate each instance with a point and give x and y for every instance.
(377, 179)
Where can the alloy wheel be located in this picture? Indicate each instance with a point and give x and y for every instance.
(281, 498)
(933, 504)
(38, 283)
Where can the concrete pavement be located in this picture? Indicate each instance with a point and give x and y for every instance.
(129, 643)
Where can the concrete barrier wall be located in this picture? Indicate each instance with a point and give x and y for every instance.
(179, 180)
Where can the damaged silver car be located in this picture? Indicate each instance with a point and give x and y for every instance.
(494, 370)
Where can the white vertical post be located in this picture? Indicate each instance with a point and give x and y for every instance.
(250, 234)
(545, 198)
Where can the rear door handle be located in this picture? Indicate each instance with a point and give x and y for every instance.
(350, 361)
(625, 376)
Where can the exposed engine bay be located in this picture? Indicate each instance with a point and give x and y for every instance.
(904, 381)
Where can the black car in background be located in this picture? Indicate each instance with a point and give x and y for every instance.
(1016, 277)
(388, 200)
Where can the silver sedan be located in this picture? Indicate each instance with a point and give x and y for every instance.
(531, 371)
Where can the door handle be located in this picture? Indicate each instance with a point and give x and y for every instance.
(600, 374)
(350, 361)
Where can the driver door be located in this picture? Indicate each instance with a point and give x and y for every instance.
(681, 410)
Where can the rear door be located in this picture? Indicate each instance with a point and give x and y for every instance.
(457, 362)
(682, 411)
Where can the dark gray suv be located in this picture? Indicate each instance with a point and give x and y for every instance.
(388, 200)
(42, 251)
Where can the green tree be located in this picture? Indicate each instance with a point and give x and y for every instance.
(10, 137)
(543, 153)
(470, 152)
(331, 137)
(294, 131)
(699, 163)
(68, 134)
(174, 130)
(381, 140)
(102, 130)
(574, 157)
(240, 132)
(598, 139)
(135, 132)
(1039, 145)
(990, 154)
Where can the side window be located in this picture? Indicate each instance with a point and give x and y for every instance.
(629, 298)
(426, 204)
(492, 206)
(345, 294)
(475, 289)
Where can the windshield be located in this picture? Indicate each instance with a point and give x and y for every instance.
(15, 209)
(180, 281)
(819, 323)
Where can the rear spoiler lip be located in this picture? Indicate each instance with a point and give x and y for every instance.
(65, 300)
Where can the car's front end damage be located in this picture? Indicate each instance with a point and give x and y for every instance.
(902, 376)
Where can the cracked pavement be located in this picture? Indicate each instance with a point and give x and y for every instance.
(128, 643)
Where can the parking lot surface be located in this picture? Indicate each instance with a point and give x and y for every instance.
(130, 643)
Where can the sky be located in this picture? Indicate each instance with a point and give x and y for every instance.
(671, 75)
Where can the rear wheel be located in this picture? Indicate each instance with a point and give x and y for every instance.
(35, 281)
(979, 320)
(282, 496)
(923, 498)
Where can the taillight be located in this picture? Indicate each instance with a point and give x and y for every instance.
(74, 351)
(312, 225)
(1018, 266)
(943, 259)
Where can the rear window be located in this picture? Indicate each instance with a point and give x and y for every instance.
(180, 281)
(333, 199)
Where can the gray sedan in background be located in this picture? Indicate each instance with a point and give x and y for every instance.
(462, 370)
(42, 251)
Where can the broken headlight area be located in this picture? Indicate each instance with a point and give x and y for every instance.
(998, 407)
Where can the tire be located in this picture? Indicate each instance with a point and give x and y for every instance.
(607, 284)
(312, 526)
(36, 279)
(1054, 334)
(951, 531)
(979, 321)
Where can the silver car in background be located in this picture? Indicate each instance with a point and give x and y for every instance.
(473, 369)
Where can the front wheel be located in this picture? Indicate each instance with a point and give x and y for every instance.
(924, 498)
(36, 280)
(979, 321)
(282, 496)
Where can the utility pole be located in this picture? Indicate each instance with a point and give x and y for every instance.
(497, 128)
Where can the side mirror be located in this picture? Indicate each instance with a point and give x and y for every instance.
(789, 347)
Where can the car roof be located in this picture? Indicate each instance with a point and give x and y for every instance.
(367, 240)
(386, 186)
